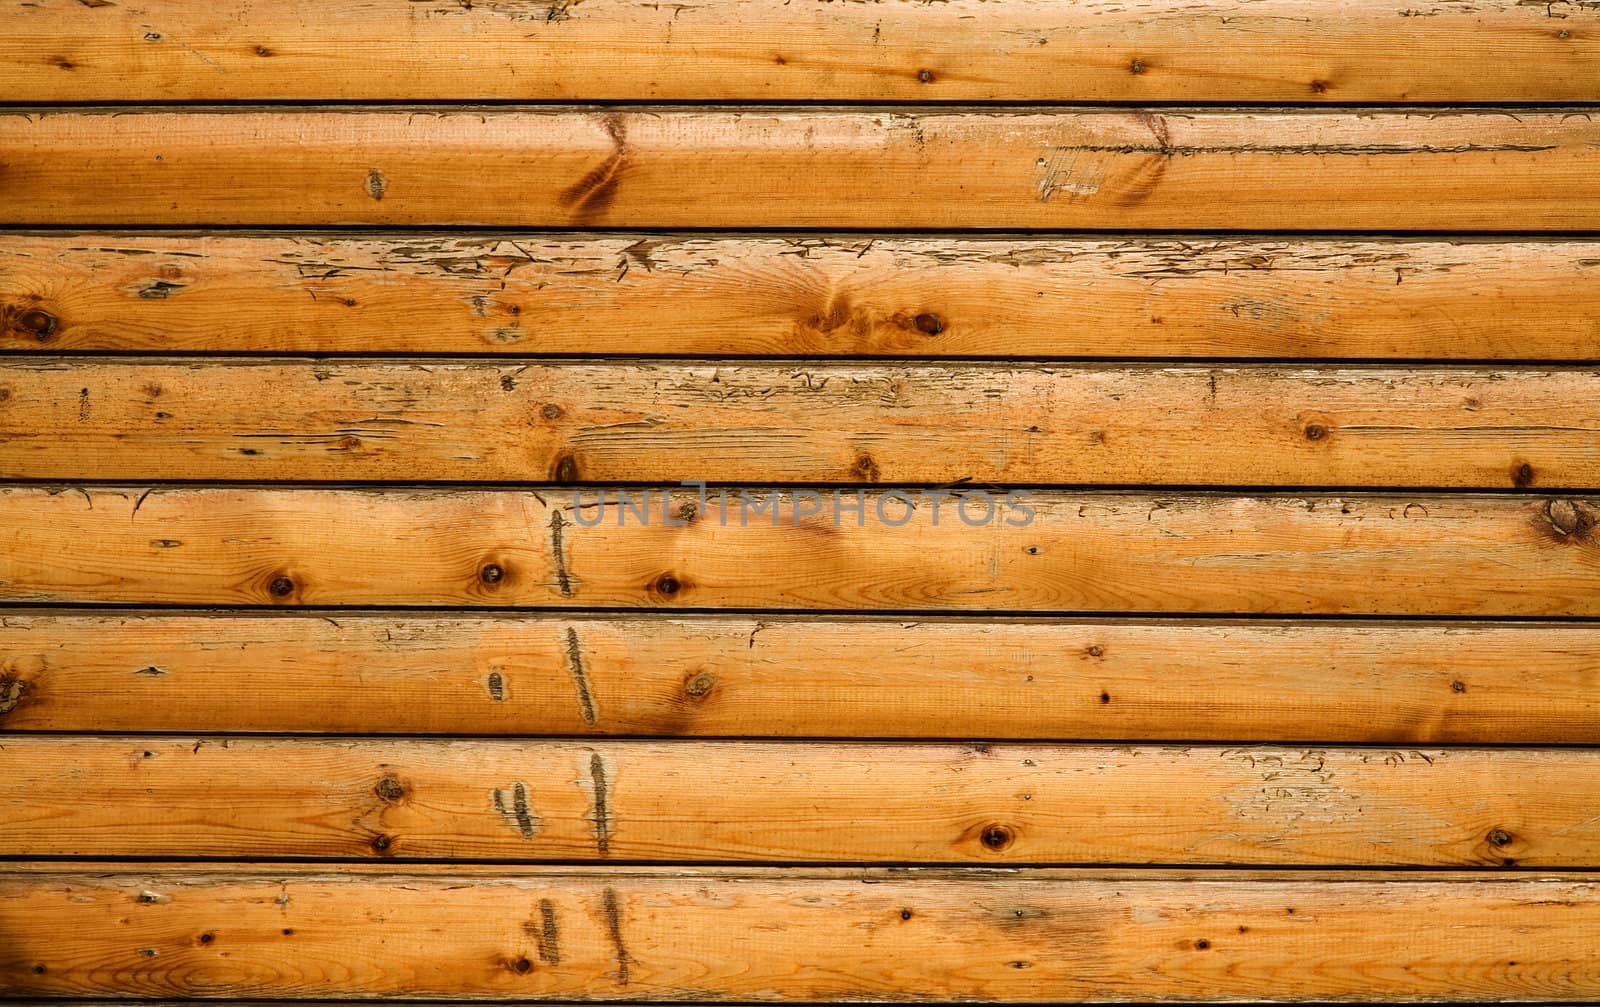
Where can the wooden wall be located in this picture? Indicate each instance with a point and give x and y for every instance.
(491, 489)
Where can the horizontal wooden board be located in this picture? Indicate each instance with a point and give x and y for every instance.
(89, 418)
(970, 935)
(708, 801)
(1279, 50)
(883, 295)
(1042, 550)
(1394, 683)
(869, 168)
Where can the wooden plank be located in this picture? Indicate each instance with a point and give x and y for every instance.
(1058, 551)
(1032, 50)
(777, 296)
(1023, 936)
(1395, 683)
(707, 801)
(710, 167)
(89, 418)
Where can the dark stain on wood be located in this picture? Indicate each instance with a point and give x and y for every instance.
(580, 680)
(593, 194)
(516, 810)
(547, 934)
(613, 911)
(602, 804)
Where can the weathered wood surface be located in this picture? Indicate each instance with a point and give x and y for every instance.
(1031, 50)
(816, 422)
(1035, 936)
(1045, 550)
(708, 801)
(899, 296)
(353, 673)
(817, 167)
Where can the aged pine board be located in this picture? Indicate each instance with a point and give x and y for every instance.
(1528, 171)
(88, 418)
(709, 801)
(807, 422)
(1036, 936)
(1032, 50)
(805, 677)
(1416, 554)
(1144, 296)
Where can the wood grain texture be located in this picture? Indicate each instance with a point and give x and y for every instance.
(870, 168)
(226, 933)
(707, 801)
(88, 418)
(352, 673)
(1282, 50)
(1060, 551)
(882, 295)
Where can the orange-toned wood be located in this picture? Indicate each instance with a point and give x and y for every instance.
(738, 801)
(354, 673)
(1033, 50)
(66, 418)
(883, 295)
(812, 167)
(1057, 551)
(226, 932)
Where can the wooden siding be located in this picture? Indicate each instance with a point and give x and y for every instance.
(1325, 170)
(785, 501)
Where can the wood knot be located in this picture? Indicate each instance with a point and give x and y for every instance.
(492, 573)
(281, 587)
(551, 411)
(566, 470)
(1319, 87)
(666, 584)
(1136, 67)
(263, 51)
(928, 323)
(390, 789)
(865, 468)
(1315, 431)
(381, 844)
(997, 837)
(700, 685)
(41, 323)
(1499, 837)
(925, 76)
(12, 692)
(1522, 476)
(1568, 521)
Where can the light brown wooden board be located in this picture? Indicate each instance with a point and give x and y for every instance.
(78, 419)
(872, 295)
(241, 419)
(1046, 550)
(709, 801)
(818, 167)
(1032, 50)
(227, 932)
(1392, 683)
